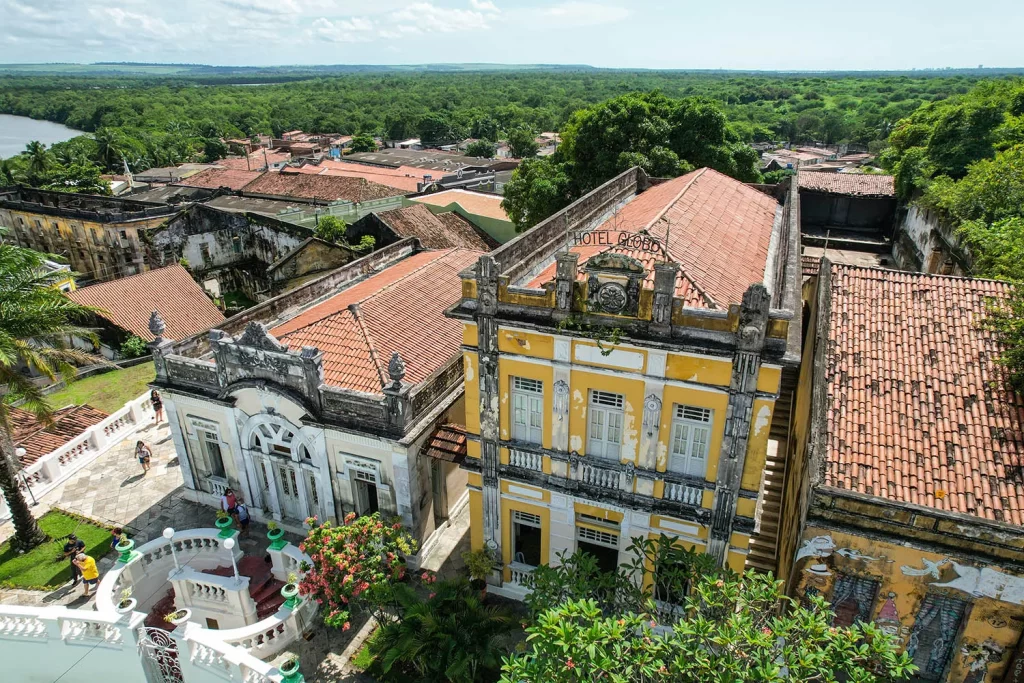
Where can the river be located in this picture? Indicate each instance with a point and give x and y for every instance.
(18, 131)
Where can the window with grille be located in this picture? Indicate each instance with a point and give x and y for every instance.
(852, 600)
(588, 535)
(527, 410)
(526, 518)
(593, 519)
(365, 476)
(284, 481)
(691, 436)
(604, 435)
(314, 496)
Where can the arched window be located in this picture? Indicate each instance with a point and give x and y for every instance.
(273, 439)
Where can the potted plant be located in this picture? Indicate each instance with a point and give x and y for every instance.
(290, 592)
(127, 602)
(223, 523)
(480, 564)
(124, 546)
(178, 616)
(275, 534)
(290, 670)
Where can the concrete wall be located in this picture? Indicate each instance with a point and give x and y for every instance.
(926, 243)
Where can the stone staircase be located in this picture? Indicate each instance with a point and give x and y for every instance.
(264, 589)
(165, 605)
(764, 543)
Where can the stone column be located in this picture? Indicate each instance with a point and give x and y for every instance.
(184, 458)
(743, 386)
(275, 504)
(490, 398)
(665, 276)
(565, 280)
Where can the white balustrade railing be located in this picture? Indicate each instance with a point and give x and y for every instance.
(526, 460)
(58, 465)
(602, 477)
(520, 573)
(686, 494)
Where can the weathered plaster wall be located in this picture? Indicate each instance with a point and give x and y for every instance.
(925, 242)
(980, 647)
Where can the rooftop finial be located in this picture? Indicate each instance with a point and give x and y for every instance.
(156, 324)
(396, 370)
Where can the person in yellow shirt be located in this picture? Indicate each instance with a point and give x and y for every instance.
(90, 574)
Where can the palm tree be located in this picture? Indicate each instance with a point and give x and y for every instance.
(450, 636)
(36, 320)
(6, 172)
(39, 160)
(111, 147)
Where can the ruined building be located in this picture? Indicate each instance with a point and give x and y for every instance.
(905, 492)
(625, 362)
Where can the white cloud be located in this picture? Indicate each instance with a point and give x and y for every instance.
(576, 13)
(484, 6)
(354, 30)
(430, 17)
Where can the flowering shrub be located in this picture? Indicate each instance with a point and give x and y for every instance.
(354, 565)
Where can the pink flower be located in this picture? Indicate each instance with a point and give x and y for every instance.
(569, 664)
(431, 596)
(346, 626)
(766, 631)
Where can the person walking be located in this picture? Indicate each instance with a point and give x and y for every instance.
(90, 574)
(229, 503)
(144, 455)
(116, 537)
(72, 547)
(242, 512)
(158, 405)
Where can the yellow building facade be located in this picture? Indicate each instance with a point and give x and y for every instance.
(596, 426)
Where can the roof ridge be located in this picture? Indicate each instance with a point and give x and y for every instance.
(441, 253)
(661, 214)
(357, 315)
(879, 269)
(682, 270)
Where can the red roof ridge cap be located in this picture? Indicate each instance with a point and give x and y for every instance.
(941, 276)
(676, 198)
(357, 315)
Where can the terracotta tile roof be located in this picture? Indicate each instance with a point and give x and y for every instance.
(399, 309)
(448, 443)
(403, 178)
(720, 231)
(918, 411)
(810, 265)
(215, 178)
(443, 231)
(478, 203)
(38, 439)
(321, 187)
(129, 301)
(257, 161)
(853, 184)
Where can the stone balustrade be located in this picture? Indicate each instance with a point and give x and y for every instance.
(602, 477)
(520, 573)
(526, 460)
(686, 494)
(57, 466)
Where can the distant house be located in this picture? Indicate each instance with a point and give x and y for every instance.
(481, 209)
(442, 231)
(844, 205)
(125, 306)
(216, 178)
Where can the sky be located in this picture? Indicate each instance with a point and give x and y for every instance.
(680, 34)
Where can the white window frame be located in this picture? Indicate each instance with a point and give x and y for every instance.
(206, 439)
(602, 538)
(527, 410)
(690, 440)
(605, 424)
(526, 519)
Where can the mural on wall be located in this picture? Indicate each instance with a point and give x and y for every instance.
(821, 547)
(976, 658)
(983, 582)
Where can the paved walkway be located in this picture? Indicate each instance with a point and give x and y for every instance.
(114, 490)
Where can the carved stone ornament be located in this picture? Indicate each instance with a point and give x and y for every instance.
(652, 412)
(561, 396)
(156, 324)
(396, 369)
(257, 336)
(612, 297)
(630, 472)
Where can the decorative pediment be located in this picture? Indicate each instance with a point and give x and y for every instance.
(611, 261)
(257, 336)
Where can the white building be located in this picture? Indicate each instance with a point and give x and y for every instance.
(324, 400)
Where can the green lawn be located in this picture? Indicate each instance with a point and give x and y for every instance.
(40, 568)
(363, 660)
(107, 392)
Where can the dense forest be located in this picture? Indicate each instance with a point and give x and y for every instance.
(155, 121)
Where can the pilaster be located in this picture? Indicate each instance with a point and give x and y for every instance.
(753, 321)
(490, 398)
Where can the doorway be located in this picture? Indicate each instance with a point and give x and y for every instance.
(367, 501)
(288, 492)
(439, 488)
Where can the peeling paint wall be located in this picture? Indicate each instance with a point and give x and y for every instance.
(898, 586)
